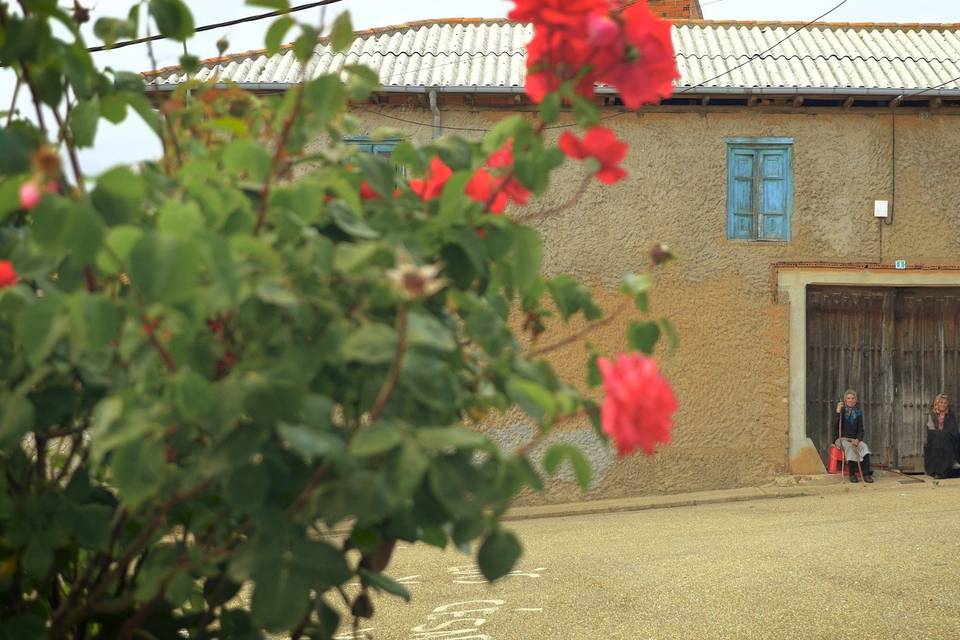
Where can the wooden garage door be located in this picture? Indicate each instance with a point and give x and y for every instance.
(897, 348)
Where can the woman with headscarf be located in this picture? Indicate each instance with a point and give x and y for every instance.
(943, 439)
(851, 436)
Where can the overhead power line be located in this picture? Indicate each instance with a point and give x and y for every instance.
(219, 25)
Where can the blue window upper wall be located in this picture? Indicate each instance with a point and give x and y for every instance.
(759, 188)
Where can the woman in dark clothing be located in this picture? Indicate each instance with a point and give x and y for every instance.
(943, 439)
(851, 436)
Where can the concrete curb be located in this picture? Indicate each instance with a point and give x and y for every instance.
(823, 485)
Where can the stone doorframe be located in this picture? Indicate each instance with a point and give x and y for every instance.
(793, 279)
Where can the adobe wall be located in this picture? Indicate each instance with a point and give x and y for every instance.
(731, 369)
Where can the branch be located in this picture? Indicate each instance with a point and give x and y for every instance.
(579, 334)
(13, 102)
(150, 328)
(582, 189)
(279, 152)
(71, 148)
(394, 376)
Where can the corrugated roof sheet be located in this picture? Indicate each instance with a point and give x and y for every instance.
(489, 54)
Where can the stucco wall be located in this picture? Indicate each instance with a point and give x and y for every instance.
(730, 370)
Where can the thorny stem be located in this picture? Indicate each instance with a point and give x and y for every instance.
(383, 397)
(579, 334)
(13, 102)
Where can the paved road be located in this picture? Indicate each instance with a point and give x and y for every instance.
(867, 564)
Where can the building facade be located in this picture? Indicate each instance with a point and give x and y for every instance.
(768, 173)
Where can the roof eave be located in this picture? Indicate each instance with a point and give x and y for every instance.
(880, 92)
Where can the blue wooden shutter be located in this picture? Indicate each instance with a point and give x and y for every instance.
(774, 194)
(741, 212)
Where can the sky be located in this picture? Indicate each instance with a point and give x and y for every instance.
(131, 141)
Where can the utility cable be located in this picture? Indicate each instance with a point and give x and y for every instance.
(218, 25)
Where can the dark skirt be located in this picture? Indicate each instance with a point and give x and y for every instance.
(940, 452)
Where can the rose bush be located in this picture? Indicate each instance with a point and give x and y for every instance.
(211, 359)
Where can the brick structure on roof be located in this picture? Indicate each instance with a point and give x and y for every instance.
(677, 9)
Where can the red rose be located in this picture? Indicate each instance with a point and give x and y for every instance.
(647, 73)
(431, 185)
(639, 403)
(367, 192)
(602, 145)
(483, 186)
(8, 275)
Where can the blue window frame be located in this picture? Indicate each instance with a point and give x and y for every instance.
(759, 188)
(378, 147)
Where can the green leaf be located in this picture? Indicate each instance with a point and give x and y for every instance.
(312, 443)
(192, 394)
(638, 286)
(325, 97)
(321, 565)
(643, 336)
(91, 526)
(375, 439)
(279, 5)
(163, 267)
(94, 321)
(276, 32)
(180, 218)
(16, 419)
(498, 553)
(306, 44)
(671, 332)
(384, 583)
(113, 108)
(443, 438)
(83, 122)
(361, 82)
(585, 111)
(138, 470)
(119, 196)
(281, 595)
(247, 158)
(83, 235)
(550, 108)
(173, 18)
(14, 153)
(341, 34)
(49, 222)
(570, 297)
(533, 398)
(528, 256)
(25, 626)
(41, 325)
(109, 30)
(557, 453)
(371, 343)
(190, 63)
(427, 332)
(593, 371)
(120, 241)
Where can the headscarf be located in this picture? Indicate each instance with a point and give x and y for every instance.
(850, 414)
(938, 418)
